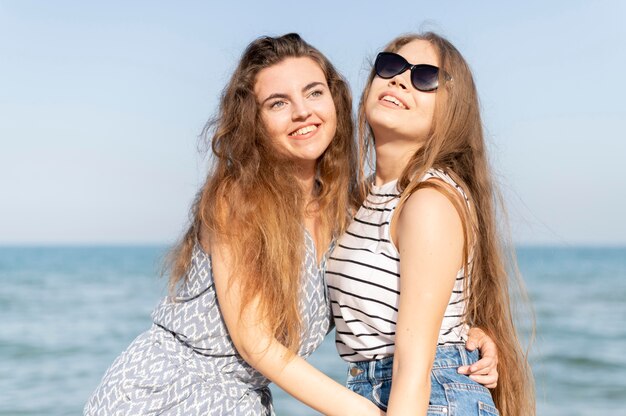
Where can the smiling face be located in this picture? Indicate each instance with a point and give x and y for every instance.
(297, 109)
(394, 108)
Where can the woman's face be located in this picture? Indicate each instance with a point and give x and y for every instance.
(297, 109)
(394, 108)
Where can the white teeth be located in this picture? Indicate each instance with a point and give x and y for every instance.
(304, 130)
(393, 100)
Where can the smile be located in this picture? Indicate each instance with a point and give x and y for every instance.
(393, 100)
(304, 130)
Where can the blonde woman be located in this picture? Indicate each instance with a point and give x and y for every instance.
(421, 261)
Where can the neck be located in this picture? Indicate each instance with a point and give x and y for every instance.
(391, 159)
(306, 178)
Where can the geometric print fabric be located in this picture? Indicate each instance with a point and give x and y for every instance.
(186, 364)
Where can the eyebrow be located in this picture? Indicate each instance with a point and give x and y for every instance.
(306, 88)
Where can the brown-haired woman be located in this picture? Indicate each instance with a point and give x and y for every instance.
(422, 261)
(250, 299)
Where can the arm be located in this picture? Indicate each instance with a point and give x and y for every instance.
(430, 241)
(263, 352)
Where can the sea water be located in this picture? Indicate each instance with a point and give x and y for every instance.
(67, 312)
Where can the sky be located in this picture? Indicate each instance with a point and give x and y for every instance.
(102, 104)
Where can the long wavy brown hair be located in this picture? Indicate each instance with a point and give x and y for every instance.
(456, 145)
(251, 200)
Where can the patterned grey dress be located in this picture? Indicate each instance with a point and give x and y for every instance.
(186, 364)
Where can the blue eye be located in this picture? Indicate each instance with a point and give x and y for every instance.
(316, 93)
(278, 104)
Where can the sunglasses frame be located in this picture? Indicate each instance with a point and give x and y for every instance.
(407, 66)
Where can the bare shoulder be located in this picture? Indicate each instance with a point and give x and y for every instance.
(428, 204)
(429, 214)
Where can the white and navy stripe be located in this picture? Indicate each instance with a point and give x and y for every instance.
(363, 276)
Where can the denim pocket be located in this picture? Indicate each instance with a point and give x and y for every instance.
(380, 394)
(485, 409)
(468, 397)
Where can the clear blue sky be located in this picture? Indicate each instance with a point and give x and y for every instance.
(101, 104)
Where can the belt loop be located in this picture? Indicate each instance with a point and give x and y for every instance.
(372, 370)
(463, 354)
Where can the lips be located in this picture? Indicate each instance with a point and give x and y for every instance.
(389, 97)
(304, 131)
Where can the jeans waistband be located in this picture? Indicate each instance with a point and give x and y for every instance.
(447, 356)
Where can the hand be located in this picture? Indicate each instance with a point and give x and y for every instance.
(485, 370)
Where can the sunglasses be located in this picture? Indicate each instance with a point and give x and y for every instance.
(424, 77)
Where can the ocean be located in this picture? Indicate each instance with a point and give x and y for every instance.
(67, 312)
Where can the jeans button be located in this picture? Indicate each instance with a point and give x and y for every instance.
(355, 371)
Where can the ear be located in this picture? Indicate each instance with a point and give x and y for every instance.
(448, 81)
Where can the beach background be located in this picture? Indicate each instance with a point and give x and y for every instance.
(69, 311)
(101, 106)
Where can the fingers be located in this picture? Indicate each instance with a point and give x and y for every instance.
(485, 365)
(488, 380)
(475, 337)
(488, 348)
(485, 370)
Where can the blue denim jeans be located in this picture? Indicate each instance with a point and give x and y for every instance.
(451, 394)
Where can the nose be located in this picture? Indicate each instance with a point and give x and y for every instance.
(301, 110)
(398, 81)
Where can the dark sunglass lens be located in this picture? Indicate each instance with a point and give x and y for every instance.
(425, 77)
(389, 65)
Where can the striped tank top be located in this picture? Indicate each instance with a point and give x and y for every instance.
(363, 277)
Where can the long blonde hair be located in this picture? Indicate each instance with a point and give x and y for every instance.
(250, 199)
(456, 145)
